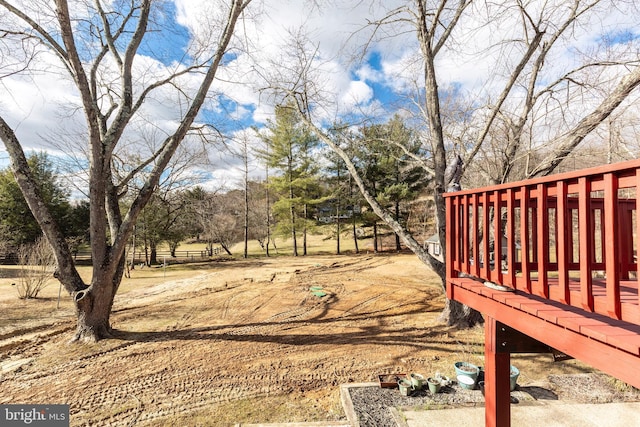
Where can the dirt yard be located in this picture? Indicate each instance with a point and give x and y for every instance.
(238, 341)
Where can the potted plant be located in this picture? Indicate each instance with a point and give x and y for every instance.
(417, 380)
(467, 369)
(514, 373)
(404, 385)
(434, 384)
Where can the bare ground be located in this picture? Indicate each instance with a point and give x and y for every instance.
(241, 341)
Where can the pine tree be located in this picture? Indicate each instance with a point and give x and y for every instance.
(291, 156)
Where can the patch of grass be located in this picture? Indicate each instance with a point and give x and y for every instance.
(258, 409)
(620, 386)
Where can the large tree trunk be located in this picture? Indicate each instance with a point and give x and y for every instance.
(460, 315)
(109, 230)
(93, 309)
(453, 314)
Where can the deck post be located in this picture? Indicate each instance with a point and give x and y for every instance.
(497, 387)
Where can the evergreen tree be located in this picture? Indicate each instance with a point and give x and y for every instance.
(292, 156)
(387, 155)
(17, 224)
(344, 200)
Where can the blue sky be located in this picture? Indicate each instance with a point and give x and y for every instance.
(38, 106)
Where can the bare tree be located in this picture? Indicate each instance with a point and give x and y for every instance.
(519, 99)
(99, 49)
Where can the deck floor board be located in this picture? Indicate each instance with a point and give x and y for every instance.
(597, 326)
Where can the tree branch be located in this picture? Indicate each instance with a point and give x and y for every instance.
(576, 135)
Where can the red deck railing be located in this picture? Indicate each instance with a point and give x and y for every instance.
(571, 238)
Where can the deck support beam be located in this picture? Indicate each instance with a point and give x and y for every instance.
(497, 391)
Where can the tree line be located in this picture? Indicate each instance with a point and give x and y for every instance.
(308, 188)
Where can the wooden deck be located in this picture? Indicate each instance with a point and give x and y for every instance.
(565, 246)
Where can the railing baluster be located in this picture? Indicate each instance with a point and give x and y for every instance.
(612, 259)
(511, 243)
(542, 237)
(455, 232)
(476, 243)
(524, 236)
(464, 208)
(485, 235)
(625, 240)
(586, 238)
(497, 239)
(563, 227)
(637, 245)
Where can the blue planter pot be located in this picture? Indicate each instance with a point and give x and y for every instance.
(467, 369)
(514, 373)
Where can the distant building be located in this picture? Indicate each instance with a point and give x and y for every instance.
(432, 246)
(326, 213)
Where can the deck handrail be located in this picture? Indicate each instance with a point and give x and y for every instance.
(571, 237)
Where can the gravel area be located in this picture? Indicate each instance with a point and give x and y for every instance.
(372, 404)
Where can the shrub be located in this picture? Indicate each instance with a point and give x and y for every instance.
(36, 266)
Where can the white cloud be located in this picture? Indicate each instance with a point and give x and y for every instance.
(358, 93)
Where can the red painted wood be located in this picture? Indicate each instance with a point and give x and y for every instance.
(511, 245)
(627, 342)
(542, 233)
(524, 237)
(611, 247)
(626, 171)
(466, 233)
(553, 315)
(618, 363)
(637, 247)
(454, 218)
(496, 379)
(497, 238)
(561, 303)
(449, 258)
(485, 234)
(630, 313)
(476, 243)
(563, 231)
(571, 318)
(586, 250)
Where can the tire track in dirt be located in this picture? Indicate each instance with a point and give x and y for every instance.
(185, 390)
(226, 340)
